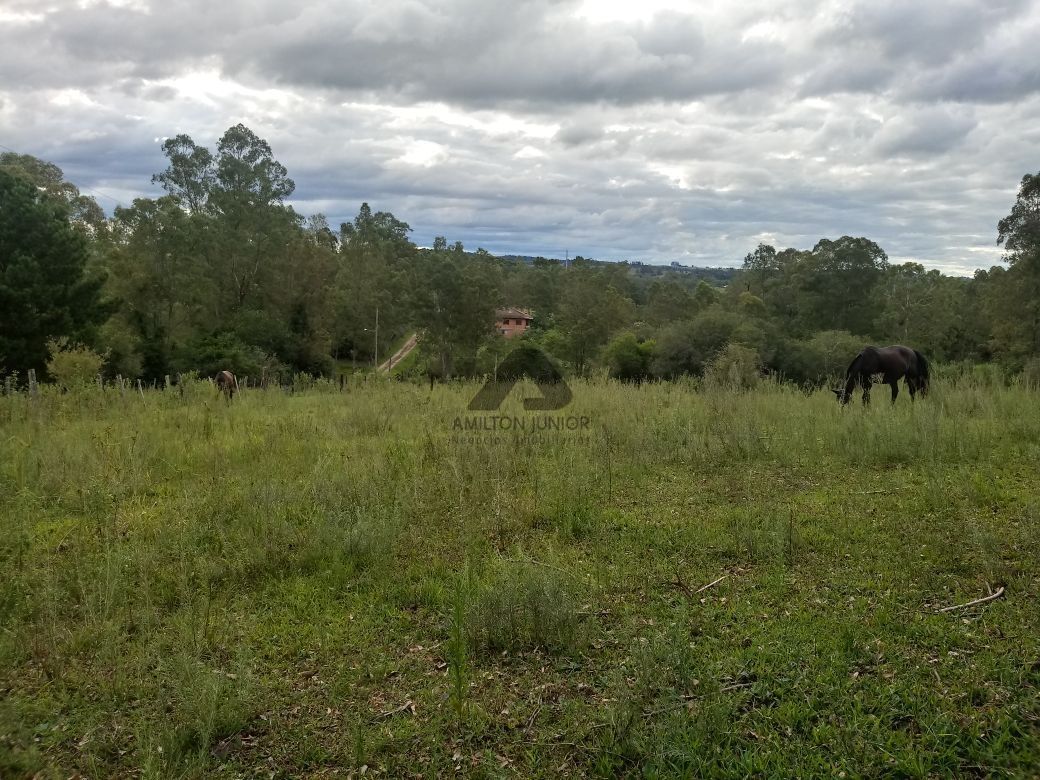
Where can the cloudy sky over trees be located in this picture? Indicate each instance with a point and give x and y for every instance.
(652, 131)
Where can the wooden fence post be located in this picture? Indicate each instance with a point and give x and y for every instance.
(167, 381)
(122, 388)
(100, 382)
(139, 388)
(7, 385)
(34, 389)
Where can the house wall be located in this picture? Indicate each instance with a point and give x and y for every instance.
(511, 326)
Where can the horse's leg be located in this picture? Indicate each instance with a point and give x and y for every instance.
(894, 384)
(866, 391)
(911, 385)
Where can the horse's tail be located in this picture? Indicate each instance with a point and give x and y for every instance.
(922, 369)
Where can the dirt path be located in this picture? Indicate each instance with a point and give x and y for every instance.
(401, 354)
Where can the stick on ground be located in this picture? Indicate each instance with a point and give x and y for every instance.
(995, 595)
(710, 584)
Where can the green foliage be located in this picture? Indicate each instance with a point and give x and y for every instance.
(44, 290)
(528, 361)
(687, 348)
(834, 286)
(1019, 231)
(520, 605)
(822, 358)
(669, 301)
(592, 308)
(73, 366)
(83, 212)
(222, 253)
(1011, 297)
(210, 354)
(455, 299)
(734, 368)
(629, 359)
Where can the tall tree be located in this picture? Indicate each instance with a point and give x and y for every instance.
(374, 275)
(591, 310)
(158, 276)
(455, 296)
(669, 301)
(190, 174)
(44, 291)
(83, 211)
(1017, 319)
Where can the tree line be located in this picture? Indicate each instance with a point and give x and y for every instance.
(221, 272)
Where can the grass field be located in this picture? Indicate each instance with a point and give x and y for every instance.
(329, 583)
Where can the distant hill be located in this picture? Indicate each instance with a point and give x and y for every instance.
(719, 277)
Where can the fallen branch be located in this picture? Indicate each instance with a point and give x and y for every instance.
(408, 705)
(681, 585)
(710, 584)
(995, 595)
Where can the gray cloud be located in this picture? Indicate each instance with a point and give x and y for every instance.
(527, 127)
(929, 131)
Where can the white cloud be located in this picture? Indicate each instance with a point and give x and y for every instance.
(657, 130)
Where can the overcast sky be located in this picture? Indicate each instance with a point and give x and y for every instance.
(652, 130)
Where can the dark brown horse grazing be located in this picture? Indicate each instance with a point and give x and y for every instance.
(227, 383)
(892, 364)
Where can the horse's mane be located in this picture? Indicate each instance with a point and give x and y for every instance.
(922, 365)
(855, 360)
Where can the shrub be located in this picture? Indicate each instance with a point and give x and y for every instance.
(735, 368)
(216, 352)
(824, 356)
(687, 347)
(73, 366)
(628, 359)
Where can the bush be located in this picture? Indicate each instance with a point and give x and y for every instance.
(73, 366)
(687, 347)
(527, 361)
(628, 359)
(824, 356)
(735, 368)
(217, 352)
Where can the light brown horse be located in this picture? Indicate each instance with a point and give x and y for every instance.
(227, 383)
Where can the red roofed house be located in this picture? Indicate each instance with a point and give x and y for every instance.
(512, 322)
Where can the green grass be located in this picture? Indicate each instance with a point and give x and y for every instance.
(314, 583)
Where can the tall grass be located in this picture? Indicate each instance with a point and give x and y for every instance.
(181, 578)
